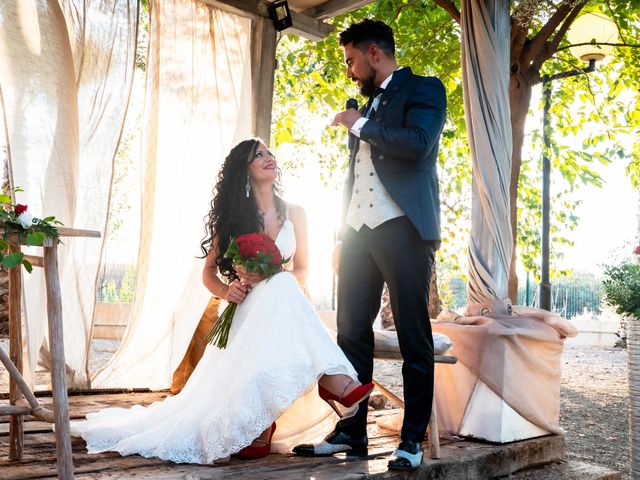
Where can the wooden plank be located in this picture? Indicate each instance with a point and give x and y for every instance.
(77, 232)
(333, 8)
(31, 425)
(303, 25)
(15, 356)
(15, 411)
(58, 369)
(35, 260)
(463, 459)
(263, 67)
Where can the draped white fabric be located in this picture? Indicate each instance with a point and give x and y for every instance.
(65, 75)
(485, 74)
(197, 107)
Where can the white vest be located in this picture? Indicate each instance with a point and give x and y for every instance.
(370, 204)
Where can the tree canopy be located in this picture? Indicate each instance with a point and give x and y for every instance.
(594, 116)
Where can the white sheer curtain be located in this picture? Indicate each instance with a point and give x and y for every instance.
(65, 74)
(485, 78)
(198, 105)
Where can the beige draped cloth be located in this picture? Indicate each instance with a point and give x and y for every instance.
(197, 107)
(516, 355)
(65, 75)
(485, 80)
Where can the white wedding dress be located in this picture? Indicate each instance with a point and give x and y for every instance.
(277, 350)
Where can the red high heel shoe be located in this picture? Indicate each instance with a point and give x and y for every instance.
(356, 396)
(250, 452)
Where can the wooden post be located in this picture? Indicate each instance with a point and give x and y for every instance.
(16, 425)
(434, 434)
(58, 371)
(263, 67)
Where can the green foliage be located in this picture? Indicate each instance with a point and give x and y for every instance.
(112, 292)
(594, 117)
(622, 288)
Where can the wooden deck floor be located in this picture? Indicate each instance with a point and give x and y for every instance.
(460, 460)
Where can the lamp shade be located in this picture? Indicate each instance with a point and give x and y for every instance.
(593, 28)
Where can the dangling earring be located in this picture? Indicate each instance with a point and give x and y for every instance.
(247, 188)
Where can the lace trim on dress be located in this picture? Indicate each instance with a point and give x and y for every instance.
(265, 398)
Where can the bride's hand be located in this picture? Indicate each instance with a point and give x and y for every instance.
(237, 292)
(247, 278)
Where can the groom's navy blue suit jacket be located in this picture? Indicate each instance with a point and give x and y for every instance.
(404, 137)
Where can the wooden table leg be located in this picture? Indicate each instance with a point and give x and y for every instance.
(58, 371)
(434, 434)
(16, 425)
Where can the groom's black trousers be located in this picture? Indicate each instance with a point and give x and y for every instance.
(393, 253)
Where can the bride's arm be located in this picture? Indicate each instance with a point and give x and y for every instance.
(301, 257)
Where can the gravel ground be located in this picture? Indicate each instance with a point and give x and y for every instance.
(594, 404)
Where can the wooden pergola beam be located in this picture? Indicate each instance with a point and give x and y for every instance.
(333, 8)
(263, 63)
(303, 25)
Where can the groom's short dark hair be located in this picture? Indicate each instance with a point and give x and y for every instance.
(367, 32)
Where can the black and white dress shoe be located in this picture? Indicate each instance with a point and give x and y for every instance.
(335, 442)
(408, 456)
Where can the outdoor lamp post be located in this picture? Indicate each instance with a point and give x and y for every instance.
(588, 33)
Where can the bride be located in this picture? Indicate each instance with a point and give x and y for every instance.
(277, 349)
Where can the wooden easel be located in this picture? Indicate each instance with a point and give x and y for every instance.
(22, 401)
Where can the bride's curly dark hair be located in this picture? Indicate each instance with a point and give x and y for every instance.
(232, 212)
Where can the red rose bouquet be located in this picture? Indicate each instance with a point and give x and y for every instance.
(257, 253)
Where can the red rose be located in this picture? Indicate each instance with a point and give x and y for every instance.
(637, 250)
(249, 245)
(20, 209)
(252, 243)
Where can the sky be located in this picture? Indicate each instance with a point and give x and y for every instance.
(608, 221)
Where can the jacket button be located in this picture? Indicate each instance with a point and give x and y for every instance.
(381, 157)
(384, 102)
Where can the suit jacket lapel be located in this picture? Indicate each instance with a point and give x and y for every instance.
(397, 80)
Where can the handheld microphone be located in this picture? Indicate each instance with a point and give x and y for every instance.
(352, 103)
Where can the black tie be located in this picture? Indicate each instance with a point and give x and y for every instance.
(376, 92)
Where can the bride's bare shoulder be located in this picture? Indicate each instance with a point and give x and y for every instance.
(296, 212)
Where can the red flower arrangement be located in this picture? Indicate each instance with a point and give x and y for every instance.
(257, 253)
(20, 209)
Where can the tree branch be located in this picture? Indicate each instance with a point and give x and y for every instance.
(537, 44)
(559, 35)
(449, 7)
(403, 6)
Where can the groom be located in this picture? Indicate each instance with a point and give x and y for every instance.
(391, 231)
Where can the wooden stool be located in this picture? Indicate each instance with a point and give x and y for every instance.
(13, 362)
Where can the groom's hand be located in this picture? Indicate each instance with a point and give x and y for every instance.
(346, 118)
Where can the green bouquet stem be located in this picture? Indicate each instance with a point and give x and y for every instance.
(219, 334)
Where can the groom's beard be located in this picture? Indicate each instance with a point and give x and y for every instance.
(368, 86)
